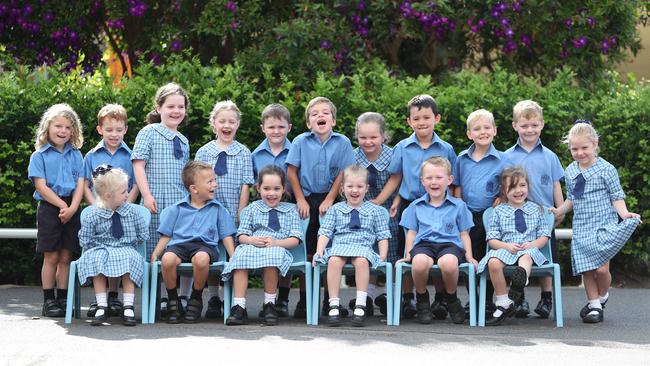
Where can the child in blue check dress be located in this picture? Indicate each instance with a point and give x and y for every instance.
(109, 235)
(516, 232)
(56, 170)
(233, 165)
(595, 194)
(268, 229)
(353, 226)
(159, 154)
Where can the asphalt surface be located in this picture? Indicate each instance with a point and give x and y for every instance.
(624, 337)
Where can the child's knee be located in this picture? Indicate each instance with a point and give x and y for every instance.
(201, 260)
(448, 263)
(360, 262)
(603, 270)
(169, 260)
(51, 258)
(421, 262)
(495, 264)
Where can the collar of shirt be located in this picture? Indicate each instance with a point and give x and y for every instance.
(67, 147)
(282, 207)
(187, 201)
(449, 199)
(333, 135)
(414, 140)
(168, 134)
(365, 209)
(233, 149)
(102, 145)
(538, 145)
(492, 151)
(382, 162)
(587, 173)
(529, 208)
(266, 146)
(107, 213)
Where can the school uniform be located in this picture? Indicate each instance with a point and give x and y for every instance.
(61, 171)
(106, 249)
(101, 155)
(233, 167)
(165, 153)
(263, 156)
(505, 225)
(258, 219)
(597, 233)
(318, 166)
(378, 175)
(354, 239)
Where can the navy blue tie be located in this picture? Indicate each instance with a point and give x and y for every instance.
(355, 221)
(520, 221)
(178, 149)
(274, 221)
(579, 186)
(372, 176)
(221, 166)
(116, 226)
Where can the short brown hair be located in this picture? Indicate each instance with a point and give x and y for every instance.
(115, 111)
(527, 109)
(190, 170)
(276, 111)
(422, 101)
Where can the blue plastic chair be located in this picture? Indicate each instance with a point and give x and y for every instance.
(299, 266)
(215, 269)
(548, 269)
(466, 268)
(74, 296)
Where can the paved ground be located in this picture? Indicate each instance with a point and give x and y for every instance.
(623, 338)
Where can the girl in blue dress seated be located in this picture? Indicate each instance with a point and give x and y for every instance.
(269, 228)
(353, 227)
(110, 233)
(595, 194)
(516, 232)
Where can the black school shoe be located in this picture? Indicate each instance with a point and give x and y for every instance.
(439, 309)
(408, 309)
(129, 321)
(214, 308)
(456, 311)
(517, 284)
(343, 312)
(301, 310)
(269, 314)
(163, 308)
(505, 313)
(370, 306)
(52, 309)
(543, 308)
(423, 312)
(115, 307)
(334, 320)
(522, 310)
(173, 312)
(585, 310)
(382, 303)
(238, 316)
(357, 320)
(193, 311)
(92, 309)
(100, 319)
(594, 318)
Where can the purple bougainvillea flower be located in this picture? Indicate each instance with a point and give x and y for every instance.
(568, 23)
(326, 45)
(176, 45)
(591, 21)
(231, 6)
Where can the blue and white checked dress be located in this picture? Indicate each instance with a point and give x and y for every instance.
(254, 222)
(502, 227)
(240, 172)
(104, 254)
(346, 242)
(381, 164)
(155, 145)
(597, 233)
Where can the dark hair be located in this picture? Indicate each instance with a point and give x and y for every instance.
(161, 95)
(422, 101)
(189, 171)
(514, 174)
(272, 170)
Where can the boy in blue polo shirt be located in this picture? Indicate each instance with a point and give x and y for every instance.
(545, 173)
(315, 169)
(408, 156)
(190, 231)
(113, 151)
(438, 226)
(477, 179)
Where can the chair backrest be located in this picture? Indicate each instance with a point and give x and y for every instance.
(299, 252)
(550, 220)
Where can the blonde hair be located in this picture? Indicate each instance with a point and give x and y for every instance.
(114, 111)
(372, 117)
(108, 182)
(509, 179)
(59, 110)
(437, 161)
(478, 115)
(527, 109)
(161, 95)
(355, 170)
(582, 129)
(317, 100)
(189, 172)
(224, 105)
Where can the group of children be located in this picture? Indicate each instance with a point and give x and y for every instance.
(202, 206)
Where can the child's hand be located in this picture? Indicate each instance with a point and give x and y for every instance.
(513, 248)
(315, 260)
(525, 245)
(558, 219)
(327, 203)
(393, 209)
(374, 200)
(150, 204)
(65, 214)
(632, 215)
(382, 258)
(257, 241)
(406, 259)
(471, 260)
(555, 212)
(154, 256)
(303, 209)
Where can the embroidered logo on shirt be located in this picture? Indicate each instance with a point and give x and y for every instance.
(212, 231)
(75, 175)
(489, 186)
(546, 179)
(449, 228)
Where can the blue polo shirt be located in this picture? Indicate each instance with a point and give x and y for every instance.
(479, 180)
(319, 164)
(61, 170)
(441, 224)
(101, 155)
(408, 157)
(184, 223)
(263, 156)
(543, 167)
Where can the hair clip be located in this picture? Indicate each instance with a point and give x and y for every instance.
(101, 170)
(583, 121)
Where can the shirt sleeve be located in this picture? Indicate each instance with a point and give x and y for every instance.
(494, 228)
(246, 222)
(613, 184)
(451, 155)
(409, 219)
(36, 168)
(348, 154)
(295, 225)
(569, 183)
(88, 168)
(143, 145)
(293, 157)
(543, 228)
(142, 228)
(328, 224)
(456, 172)
(168, 221)
(382, 231)
(464, 219)
(248, 177)
(86, 231)
(226, 225)
(557, 171)
(395, 165)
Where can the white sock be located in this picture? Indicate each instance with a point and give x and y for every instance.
(241, 301)
(214, 290)
(372, 290)
(594, 304)
(269, 298)
(102, 300)
(334, 302)
(603, 299)
(129, 299)
(503, 301)
(361, 298)
(186, 286)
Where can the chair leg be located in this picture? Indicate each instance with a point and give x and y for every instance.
(145, 294)
(557, 296)
(471, 279)
(77, 297)
(309, 288)
(153, 297)
(227, 299)
(481, 299)
(315, 295)
(397, 294)
(71, 288)
(389, 294)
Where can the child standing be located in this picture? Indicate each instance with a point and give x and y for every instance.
(405, 165)
(595, 194)
(110, 233)
(545, 172)
(56, 168)
(159, 154)
(438, 226)
(314, 168)
(111, 150)
(190, 231)
(354, 226)
(517, 231)
(233, 166)
(268, 229)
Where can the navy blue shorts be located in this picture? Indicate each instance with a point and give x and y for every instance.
(51, 234)
(186, 251)
(437, 250)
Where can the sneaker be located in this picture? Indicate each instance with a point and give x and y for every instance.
(193, 311)
(128, 320)
(439, 309)
(92, 309)
(357, 320)
(505, 313)
(522, 310)
(382, 303)
(370, 306)
(214, 308)
(585, 310)
(594, 318)
(409, 310)
(100, 319)
(270, 314)
(543, 308)
(335, 319)
(163, 308)
(52, 309)
(238, 316)
(517, 284)
(173, 312)
(456, 311)
(301, 310)
(115, 307)
(423, 312)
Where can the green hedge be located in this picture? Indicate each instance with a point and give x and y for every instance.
(620, 111)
